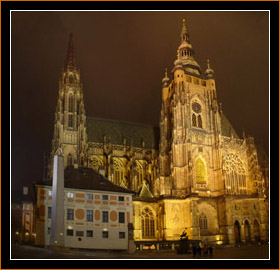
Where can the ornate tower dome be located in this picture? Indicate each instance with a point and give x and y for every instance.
(185, 54)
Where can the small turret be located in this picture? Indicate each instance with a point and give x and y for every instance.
(165, 80)
(209, 72)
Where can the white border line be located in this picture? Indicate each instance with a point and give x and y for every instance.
(126, 11)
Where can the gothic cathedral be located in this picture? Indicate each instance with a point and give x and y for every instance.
(193, 173)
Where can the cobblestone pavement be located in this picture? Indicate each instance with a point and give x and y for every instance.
(239, 252)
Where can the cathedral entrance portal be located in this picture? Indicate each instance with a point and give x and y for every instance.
(247, 231)
(237, 232)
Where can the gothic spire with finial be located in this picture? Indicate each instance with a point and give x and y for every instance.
(209, 72)
(165, 80)
(186, 53)
(184, 33)
(70, 61)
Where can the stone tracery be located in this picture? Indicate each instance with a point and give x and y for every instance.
(235, 180)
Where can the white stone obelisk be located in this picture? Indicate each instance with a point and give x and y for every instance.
(57, 214)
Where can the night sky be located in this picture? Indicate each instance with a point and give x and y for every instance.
(122, 57)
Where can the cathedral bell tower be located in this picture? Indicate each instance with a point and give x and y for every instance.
(189, 127)
(70, 116)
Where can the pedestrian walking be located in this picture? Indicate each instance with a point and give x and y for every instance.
(205, 251)
(211, 251)
(199, 251)
(194, 251)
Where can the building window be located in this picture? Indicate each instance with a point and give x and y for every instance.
(199, 121)
(71, 103)
(203, 222)
(69, 160)
(105, 234)
(105, 216)
(89, 196)
(200, 171)
(70, 214)
(70, 195)
(49, 230)
(79, 233)
(121, 198)
(89, 215)
(49, 212)
(121, 235)
(70, 120)
(49, 192)
(235, 176)
(89, 233)
(196, 115)
(193, 120)
(148, 223)
(70, 232)
(105, 197)
(121, 217)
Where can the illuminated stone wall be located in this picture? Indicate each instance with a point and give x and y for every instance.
(204, 178)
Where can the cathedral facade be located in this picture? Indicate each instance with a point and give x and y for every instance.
(193, 173)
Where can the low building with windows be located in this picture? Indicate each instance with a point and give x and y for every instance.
(96, 212)
(22, 218)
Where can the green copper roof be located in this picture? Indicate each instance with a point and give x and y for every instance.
(117, 131)
(227, 129)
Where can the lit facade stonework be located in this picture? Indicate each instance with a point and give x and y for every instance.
(194, 173)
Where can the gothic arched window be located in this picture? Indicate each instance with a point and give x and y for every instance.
(70, 103)
(235, 177)
(70, 120)
(69, 160)
(193, 120)
(200, 171)
(96, 163)
(196, 115)
(199, 121)
(203, 222)
(148, 223)
(118, 171)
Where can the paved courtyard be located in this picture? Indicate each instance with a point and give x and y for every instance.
(253, 251)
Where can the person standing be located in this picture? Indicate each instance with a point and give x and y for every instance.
(199, 251)
(210, 251)
(205, 251)
(194, 251)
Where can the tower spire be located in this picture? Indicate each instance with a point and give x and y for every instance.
(70, 61)
(186, 53)
(184, 33)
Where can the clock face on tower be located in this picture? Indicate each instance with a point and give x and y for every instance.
(196, 107)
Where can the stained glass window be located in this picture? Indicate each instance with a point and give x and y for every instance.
(200, 171)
